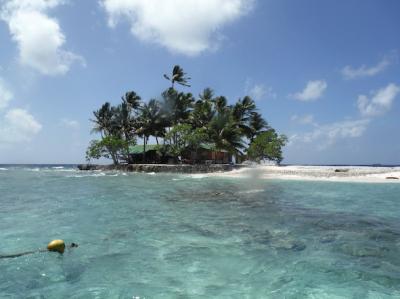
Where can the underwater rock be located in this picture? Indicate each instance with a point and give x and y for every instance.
(329, 238)
(263, 238)
(363, 251)
(384, 235)
(290, 245)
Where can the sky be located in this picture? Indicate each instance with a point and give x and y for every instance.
(324, 73)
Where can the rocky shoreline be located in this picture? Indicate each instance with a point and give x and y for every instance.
(174, 168)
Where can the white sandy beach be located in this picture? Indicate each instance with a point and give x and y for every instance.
(320, 173)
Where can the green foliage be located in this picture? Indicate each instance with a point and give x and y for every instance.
(183, 122)
(182, 138)
(109, 147)
(178, 76)
(267, 145)
(225, 133)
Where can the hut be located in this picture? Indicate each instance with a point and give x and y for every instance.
(136, 154)
(208, 154)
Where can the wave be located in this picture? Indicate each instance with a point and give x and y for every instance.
(251, 191)
(199, 175)
(98, 174)
(3, 169)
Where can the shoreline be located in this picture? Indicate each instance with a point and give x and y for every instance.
(363, 174)
(293, 172)
(168, 168)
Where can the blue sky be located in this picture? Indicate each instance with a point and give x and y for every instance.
(325, 73)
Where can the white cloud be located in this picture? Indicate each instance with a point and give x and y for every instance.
(5, 95)
(258, 91)
(307, 119)
(326, 135)
(313, 91)
(350, 72)
(380, 102)
(39, 38)
(182, 26)
(18, 126)
(70, 123)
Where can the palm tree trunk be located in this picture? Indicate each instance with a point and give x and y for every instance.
(144, 149)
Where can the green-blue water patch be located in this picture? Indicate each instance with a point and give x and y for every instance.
(183, 236)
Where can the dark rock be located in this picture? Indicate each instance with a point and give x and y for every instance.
(87, 167)
(341, 170)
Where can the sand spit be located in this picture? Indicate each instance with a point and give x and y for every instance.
(322, 173)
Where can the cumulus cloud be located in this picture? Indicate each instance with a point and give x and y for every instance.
(5, 95)
(380, 102)
(350, 72)
(307, 119)
(39, 37)
(17, 126)
(70, 123)
(182, 26)
(313, 91)
(326, 135)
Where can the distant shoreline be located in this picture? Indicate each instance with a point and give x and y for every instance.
(367, 174)
(174, 168)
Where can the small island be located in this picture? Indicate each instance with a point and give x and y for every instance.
(181, 133)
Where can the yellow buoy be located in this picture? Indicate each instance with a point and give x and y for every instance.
(56, 245)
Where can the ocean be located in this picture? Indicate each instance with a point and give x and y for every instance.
(148, 236)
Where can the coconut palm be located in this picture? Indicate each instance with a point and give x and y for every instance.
(103, 120)
(202, 114)
(207, 94)
(178, 76)
(220, 104)
(176, 106)
(132, 99)
(150, 123)
(224, 132)
(242, 112)
(257, 124)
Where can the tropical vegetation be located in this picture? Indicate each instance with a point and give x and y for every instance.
(180, 122)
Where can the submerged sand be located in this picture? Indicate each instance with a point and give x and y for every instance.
(323, 173)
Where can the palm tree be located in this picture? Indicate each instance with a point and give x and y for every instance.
(103, 120)
(207, 95)
(257, 124)
(203, 111)
(242, 111)
(178, 76)
(225, 133)
(132, 99)
(150, 123)
(176, 106)
(220, 104)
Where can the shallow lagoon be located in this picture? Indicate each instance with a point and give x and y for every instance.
(193, 236)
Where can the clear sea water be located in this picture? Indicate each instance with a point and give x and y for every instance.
(193, 236)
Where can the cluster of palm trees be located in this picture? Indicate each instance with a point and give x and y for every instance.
(178, 121)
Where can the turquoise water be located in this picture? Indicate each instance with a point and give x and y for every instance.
(183, 236)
